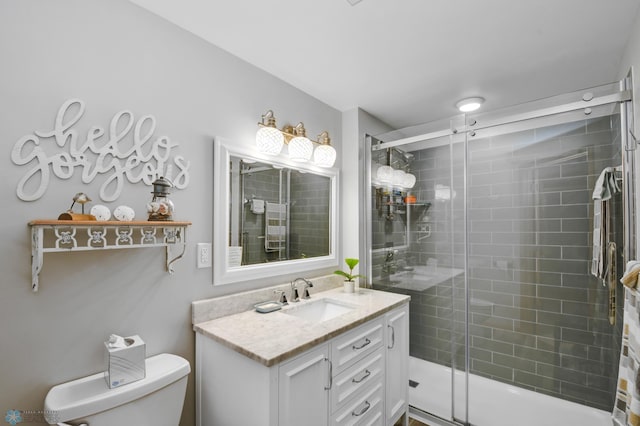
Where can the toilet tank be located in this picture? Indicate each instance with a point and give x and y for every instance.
(155, 400)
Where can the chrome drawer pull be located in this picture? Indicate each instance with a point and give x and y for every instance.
(367, 373)
(364, 410)
(393, 337)
(366, 342)
(330, 374)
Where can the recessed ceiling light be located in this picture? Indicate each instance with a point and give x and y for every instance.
(469, 104)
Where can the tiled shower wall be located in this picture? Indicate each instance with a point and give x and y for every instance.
(309, 213)
(537, 318)
(310, 218)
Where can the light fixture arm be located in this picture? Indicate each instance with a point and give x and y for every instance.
(271, 119)
(324, 139)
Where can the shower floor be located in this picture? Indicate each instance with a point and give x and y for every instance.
(492, 403)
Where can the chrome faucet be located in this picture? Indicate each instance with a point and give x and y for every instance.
(305, 290)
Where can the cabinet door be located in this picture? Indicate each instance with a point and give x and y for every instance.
(397, 363)
(303, 393)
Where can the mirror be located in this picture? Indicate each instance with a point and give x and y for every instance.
(271, 216)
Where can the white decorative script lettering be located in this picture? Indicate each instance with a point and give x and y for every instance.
(111, 154)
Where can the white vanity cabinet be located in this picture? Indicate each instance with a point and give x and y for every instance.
(397, 367)
(356, 378)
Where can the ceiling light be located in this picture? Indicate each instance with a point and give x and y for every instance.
(469, 104)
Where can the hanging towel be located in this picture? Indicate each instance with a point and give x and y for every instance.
(626, 408)
(257, 206)
(630, 277)
(606, 185)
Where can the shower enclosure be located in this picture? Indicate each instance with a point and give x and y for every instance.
(494, 243)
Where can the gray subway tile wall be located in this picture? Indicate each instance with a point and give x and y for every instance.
(538, 319)
(308, 213)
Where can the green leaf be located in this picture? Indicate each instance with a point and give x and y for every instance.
(351, 262)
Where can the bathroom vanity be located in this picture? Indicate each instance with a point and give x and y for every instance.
(334, 359)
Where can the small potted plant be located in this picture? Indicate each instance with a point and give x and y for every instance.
(350, 282)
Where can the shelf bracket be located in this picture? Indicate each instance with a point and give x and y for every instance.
(36, 256)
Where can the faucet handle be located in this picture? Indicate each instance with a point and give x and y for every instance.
(305, 292)
(281, 297)
(294, 294)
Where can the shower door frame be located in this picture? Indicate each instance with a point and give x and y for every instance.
(469, 127)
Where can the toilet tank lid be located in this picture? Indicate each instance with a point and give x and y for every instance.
(90, 395)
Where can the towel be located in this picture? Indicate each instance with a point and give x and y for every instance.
(257, 206)
(626, 408)
(600, 232)
(606, 185)
(630, 277)
(276, 208)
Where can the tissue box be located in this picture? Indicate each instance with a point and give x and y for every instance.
(125, 364)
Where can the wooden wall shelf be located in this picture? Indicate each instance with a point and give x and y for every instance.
(49, 236)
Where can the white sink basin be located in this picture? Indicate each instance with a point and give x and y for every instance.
(320, 310)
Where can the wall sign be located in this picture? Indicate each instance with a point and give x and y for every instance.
(109, 154)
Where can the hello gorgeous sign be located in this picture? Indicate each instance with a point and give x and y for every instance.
(110, 154)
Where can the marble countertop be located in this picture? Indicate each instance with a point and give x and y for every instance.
(277, 336)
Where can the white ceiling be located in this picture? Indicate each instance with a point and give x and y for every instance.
(408, 61)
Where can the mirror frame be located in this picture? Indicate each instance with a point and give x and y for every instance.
(223, 150)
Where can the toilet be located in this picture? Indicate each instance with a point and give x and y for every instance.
(155, 400)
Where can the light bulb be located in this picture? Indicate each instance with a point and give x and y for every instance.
(384, 174)
(300, 149)
(269, 140)
(324, 156)
(409, 180)
(397, 178)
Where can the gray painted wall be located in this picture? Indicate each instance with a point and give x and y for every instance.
(116, 56)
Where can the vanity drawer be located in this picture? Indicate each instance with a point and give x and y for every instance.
(356, 344)
(366, 409)
(356, 378)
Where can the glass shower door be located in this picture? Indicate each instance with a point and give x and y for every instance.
(417, 248)
(538, 318)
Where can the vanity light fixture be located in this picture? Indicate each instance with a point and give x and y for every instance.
(469, 104)
(270, 140)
